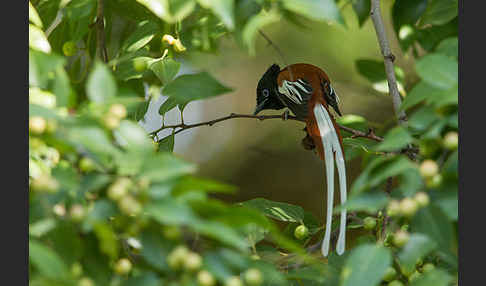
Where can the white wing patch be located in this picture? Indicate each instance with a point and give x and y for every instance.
(293, 90)
(330, 143)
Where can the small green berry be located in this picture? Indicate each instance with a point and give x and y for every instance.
(434, 182)
(301, 232)
(395, 283)
(451, 140)
(85, 281)
(369, 223)
(69, 48)
(422, 199)
(414, 276)
(400, 238)
(139, 64)
(253, 277)
(393, 208)
(193, 261)
(111, 121)
(390, 274)
(233, 281)
(77, 212)
(177, 257)
(45, 183)
(204, 278)
(428, 267)
(37, 125)
(87, 165)
(118, 110)
(429, 168)
(408, 207)
(76, 269)
(129, 205)
(123, 266)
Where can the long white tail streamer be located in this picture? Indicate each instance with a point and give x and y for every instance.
(331, 146)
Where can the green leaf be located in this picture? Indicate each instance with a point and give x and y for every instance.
(223, 9)
(395, 139)
(101, 85)
(365, 266)
(175, 213)
(159, 8)
(155, 250)
(171, 212)
(164, 166)
(277, 210)
(189, 87)
(449, 47)
(34, 16)
(430, 37)
(125, 68)
(422, 118)
(370, 203)
(143, 34)
(432, 222)
(436, 277)
(108, 242)
(374, 70)
(93, 139)
(146, 279)
(255, 24)
(362, 9)
(439, 12)
(38, 40)
(41, 227)
(101, 211)
(448, 202)
(417, 247)
(420, 92)
(191, 183)
(319, 10)
(133, 137)
(379, 170)
(221, 232)
(407, 12)
(180, 9)
(166, 144)
(41, 68)
(168, 105)
(165, 69)
(46, 261)
(438, 70)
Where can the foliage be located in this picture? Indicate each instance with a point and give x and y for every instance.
(108, 206)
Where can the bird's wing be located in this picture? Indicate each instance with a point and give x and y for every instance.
(298, 92)
(332, 150)
(296, 95)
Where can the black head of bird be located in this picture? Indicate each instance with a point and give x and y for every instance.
(267, 91)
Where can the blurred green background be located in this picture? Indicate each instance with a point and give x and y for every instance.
(265, 158)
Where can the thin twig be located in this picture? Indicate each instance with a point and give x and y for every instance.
(270, 42)
(55, 22)
(389, 59)
(100, 32)
(355, 133)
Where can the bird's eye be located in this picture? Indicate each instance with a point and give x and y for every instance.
(266, 92)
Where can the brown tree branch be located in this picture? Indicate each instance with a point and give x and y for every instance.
(389, 59)
(100, 31)
(355, 133)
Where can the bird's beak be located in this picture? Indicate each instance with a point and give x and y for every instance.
(260, 107)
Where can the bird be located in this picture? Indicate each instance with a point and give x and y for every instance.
(306, 91)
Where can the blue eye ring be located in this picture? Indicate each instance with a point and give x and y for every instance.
(266, 92)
